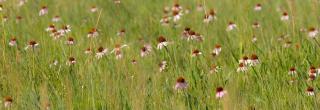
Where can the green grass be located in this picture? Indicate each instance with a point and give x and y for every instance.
(108, 83)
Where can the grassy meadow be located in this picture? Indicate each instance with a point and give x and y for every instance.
(105, 55)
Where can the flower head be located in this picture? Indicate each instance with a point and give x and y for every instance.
(162, 42)
(7, 101)
(13, 42)
(181, 84)
(285, 16)
(258, 7)
(220, 92)
(43, 11)
(310, 91)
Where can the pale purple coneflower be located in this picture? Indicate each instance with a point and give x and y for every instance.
(245, 60)
(214, 68)
(165, 20)
(43, 11)
(176, 7)
(242, 68)
(116, 1)
(181, 84)
(121, 32)
(200, 7)
(101, 52)
(292, 71)
(162, 42)
(93, 9)
(21, 2)
(71, 61)
(217, 49)
(32, 44)
(186, 33)
(312, 71)
(65, 29)
(117, 50)
(13, 42)
(56, 34)
(198, 37)
(209, 16)
(134, 61)
(311, 77)
(4, 18)
(312, 32)
(254, 60)
(1, 7)
(8, 101)
(231, 26)
(50, 28)
(18, 19)
(145, 50)
(220, 92)
(310, 91)
(258, 7)
(287, 44)
(93, 33)
(256, 25)
(176, 16)
(56, 18)
(196, 52)
(70, 41)
(285, 16)
(162, 66)
(254, 39)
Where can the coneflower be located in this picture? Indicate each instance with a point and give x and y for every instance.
(176, 16)
(181, 84)
(285, 16)
(214, 68)
(195, 53)
(310, 91)
(313, 32)
(162, 42)
(311, 77)
(217, 49)
(254, 60)
(185, 33)
(287, 44)
(71, 61)
(7, 101)
(54, 63)
(21, 2)
(145, 50)
(242, 68)
(88, 51)
(4, 18)
(43, 11)
(258, 7)
(18, 19)
(165, 20)
(65, 29)
(1, 7)
(13, 42)
(312, 71)
(121, 33)
(254, 39)
(134, 61)
(162, 66)
(93, 9)
(245, 60)
(198, 37)
(50, 28)
(256, 25)
(101, 52)
(292, 71)
(70, 41)
(32, 44)
(220, 92)
(176, 7)
(200, 7)
(231, 26)
(56, 18)
(93, 33)
(117, 51)
(209, 16)
(116, 1)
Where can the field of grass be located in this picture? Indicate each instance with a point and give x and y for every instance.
(40, 70)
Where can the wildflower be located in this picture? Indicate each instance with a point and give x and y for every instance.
(287, 44)
(292, 71)
(292, 80)
(258, 7)
(71, 61)
(176, 7)
(214, 68)
(285, 16)
(32, 44)
(51, 27)
(217, 49)
(245, 60)
(65, 29)
(195, 53)
(43, 11)
(145, 50)
(21, 2)
(56, 18)
(1, 7)
(101, 52)
(13, 42)
(93, 33)
(121, 32)
(70, 41)
(181, 84)
(197, 37)
(117, 1)
(56, 34)
(200, 7)
(18, 19)
(210, 16)
(7, 101)
(254, 39)
(242, 68)
(312, 32)
(220, 92)
(165, 21)
(176, 16)
(5, 18)
(310, 91)
(312, 71)
(231, 26)
(185, 33)
(88, 51)
(162, 42)
(134, 61)
(162, 66)
(254, 60)
(256, 25)
(93, 9)
(311, 77)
